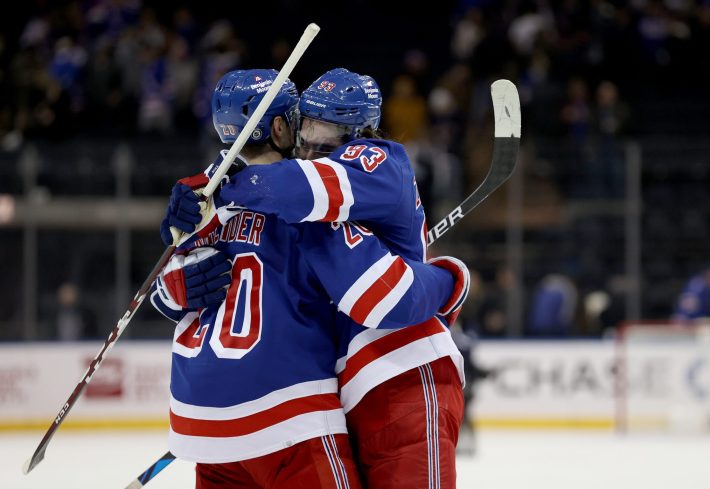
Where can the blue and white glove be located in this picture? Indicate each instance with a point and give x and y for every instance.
(189, 212)
(183, 212)
(195, 280)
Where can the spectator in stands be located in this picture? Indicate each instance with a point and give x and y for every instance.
(405, 111)
(553, 307)
(73, 320)
(468, 32)
(576, 113)
(67, 67)
(576, 117)
(493, 312)
(694, 300)
(528, 26)
(99, 68)
(610, 118)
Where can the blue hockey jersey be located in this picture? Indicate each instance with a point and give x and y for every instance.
(257, 373)
(370, 182)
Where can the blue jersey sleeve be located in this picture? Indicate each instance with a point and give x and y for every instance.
(367, 282)
(361, 181)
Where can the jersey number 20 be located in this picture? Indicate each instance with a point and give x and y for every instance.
(238, 323)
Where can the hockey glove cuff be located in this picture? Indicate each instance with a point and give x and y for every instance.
(195, 280)
(462, 280)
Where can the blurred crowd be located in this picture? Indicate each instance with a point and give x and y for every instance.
(125, 65)
(585, 70)
(112, 68)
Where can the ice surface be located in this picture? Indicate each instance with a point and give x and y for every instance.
(503, 460)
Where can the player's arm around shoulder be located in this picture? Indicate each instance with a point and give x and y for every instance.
(373, 286)
(361, 180)
(280, 188)
(371, 177)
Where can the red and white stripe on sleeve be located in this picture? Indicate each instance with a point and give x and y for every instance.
(377, 291)
(332, 194)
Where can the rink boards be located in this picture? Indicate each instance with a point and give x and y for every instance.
(536, 384)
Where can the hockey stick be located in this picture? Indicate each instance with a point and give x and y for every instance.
(506, 110)
(152, 471)
(137, 300)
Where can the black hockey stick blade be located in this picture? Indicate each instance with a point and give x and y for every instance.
(38, 455)
(152, 471)
(506, 110)
(137, 300)
(303, 43)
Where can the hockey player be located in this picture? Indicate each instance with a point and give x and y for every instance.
(256, 405)
(401, 390)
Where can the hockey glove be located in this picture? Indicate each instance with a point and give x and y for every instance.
(462, 279)
(195, 280)
(187, 207)
(183, 212)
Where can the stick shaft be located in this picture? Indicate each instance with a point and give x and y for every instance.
(306, 39)
(244, 135)
(136, 302)
(506, 110)
(152, 471)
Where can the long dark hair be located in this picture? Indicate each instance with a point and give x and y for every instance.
(370, 133)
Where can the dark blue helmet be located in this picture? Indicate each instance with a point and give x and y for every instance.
(344, 98)
(236, 96)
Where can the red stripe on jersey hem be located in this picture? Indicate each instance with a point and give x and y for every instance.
(254, 422)
(378, 291)
(332, 186)
(387, 344)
